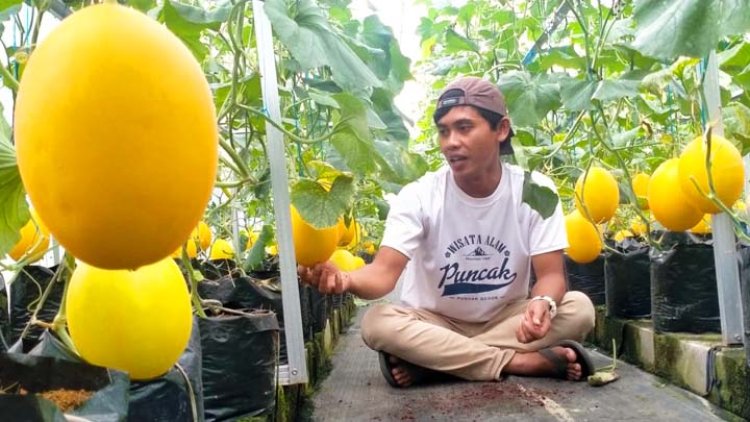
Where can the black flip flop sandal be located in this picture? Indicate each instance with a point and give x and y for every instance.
(561, 364)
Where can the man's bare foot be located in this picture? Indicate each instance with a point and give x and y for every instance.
(400, 372)
(559, 362)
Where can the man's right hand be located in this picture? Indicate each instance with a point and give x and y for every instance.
(326, 277)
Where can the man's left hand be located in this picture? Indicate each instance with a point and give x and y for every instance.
(535, 322)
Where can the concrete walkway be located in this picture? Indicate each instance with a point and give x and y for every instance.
(356, 391)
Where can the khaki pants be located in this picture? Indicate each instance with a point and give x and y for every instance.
(473, 351)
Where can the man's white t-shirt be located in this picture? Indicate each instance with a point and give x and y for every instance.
(468, 256)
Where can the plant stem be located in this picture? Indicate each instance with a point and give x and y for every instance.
(281, 128)
(60, 322)
(604, 33)
(711, 194)
(589, 67)
(235, 183)
(240, 164)
(623, 166)
(573, 129)
(195, 298)
(43, 5)
(60, 272)
(8, 79)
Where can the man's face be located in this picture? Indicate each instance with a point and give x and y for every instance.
(467, 141)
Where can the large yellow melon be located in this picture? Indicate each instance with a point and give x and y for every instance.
(116, 137)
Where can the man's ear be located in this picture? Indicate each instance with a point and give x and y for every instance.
(503, 129)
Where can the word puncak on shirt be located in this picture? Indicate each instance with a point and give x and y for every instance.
(468, 257)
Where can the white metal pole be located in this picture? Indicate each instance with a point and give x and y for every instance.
(725, 242)
(296, 372)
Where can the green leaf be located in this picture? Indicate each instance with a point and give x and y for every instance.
(248, 91)
(670, 28)
(374, 57)
(735, 59)
(400, 64)
(8, 8)
(319, 208)
(263, 188)
(529, 98)
(357, 152)
(623, 139)
(565, 57)
(610, 90)
(257, 253)
(382, 101)
(14, 211)
(353, 115)
(736, 119)
(351, 135)
(444, 65)
(142, 5)
(322, 98)
(209, 19)
(394, 67)
(373, 120)
(576, 95)
(187, 22)
(378, 36)
(540, 198)
(455, 42)
(397, 164)
(306, 33)
(656, 82)
(383, 209)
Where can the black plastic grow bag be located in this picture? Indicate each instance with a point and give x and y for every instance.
(627, 280)
(240, 353)
(39, 374)
(684, 293)
(175, 396)
(587, 278)
(25, 291)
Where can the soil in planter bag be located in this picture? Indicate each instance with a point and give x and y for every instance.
(38, 374)
(166, 398)
(587, 278)
(25, 291)
(627, 280)
(239, 365)
(175, 396)
(684, 291)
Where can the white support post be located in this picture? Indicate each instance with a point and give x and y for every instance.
(725, 242)
(296, 371)
(56, 256)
